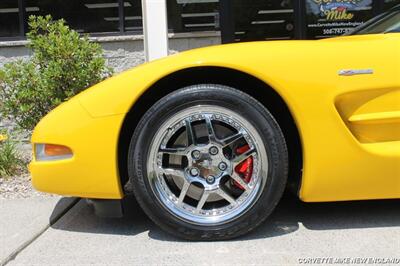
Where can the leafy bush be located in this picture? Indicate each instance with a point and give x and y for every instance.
(62, 65)
(10, 162)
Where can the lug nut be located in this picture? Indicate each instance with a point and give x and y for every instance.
(196, 154)
(213, 150)
(222, 166)
(194, 172)
(210, 179)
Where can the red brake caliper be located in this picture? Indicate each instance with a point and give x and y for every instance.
(245, 168)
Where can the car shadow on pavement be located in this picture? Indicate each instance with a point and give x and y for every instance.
(81, 218)
(292, 213)
(289, 215)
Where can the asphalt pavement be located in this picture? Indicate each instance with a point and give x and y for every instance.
(296, 233)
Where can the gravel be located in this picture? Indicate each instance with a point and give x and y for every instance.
(18, 187)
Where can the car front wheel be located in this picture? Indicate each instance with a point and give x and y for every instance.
(208, 162)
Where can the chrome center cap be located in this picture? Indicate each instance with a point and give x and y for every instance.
(209, 161)
(207, 166)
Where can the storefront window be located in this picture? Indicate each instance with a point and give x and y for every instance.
(86, 16)
(238, 20)
(9, 23)
(327, 18)
(133, 16)
(263, 20)
(193, 15)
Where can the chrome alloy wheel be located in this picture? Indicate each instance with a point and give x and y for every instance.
(207, 165)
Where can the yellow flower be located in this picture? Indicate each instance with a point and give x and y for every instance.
(3, 137)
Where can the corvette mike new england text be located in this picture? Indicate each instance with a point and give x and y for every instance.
(349, 260)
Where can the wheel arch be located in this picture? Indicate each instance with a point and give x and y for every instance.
(249, 84)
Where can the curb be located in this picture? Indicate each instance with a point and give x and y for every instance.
(64, 207)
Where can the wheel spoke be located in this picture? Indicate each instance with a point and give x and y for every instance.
(190, 133)
(240, 158)
(174, 172)
(184, 190)
(202, 200)
(174, 151)
(240, 180)
(226, 196)
(210, 129)
(231, 139)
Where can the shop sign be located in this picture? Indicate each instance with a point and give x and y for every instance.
(334, 10)
(335, 17)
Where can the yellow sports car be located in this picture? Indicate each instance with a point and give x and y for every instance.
(207, 140)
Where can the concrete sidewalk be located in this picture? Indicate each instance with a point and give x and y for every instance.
(23, 220)
(295, 231)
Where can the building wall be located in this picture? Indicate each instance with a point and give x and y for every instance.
(121, 52)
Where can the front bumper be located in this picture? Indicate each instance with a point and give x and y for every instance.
(92, 172)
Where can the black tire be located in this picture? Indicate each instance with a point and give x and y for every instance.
(229, 98)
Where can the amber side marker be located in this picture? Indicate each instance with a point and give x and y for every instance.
(56, 150)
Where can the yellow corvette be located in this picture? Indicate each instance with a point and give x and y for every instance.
(207, 140)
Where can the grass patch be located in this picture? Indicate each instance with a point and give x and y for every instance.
(10, 159)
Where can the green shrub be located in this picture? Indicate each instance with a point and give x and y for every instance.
(62, 65)
(10, 160)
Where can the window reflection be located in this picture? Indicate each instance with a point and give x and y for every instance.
(263, 20)
(327, 18)
(391, 3)
(9, 19)
(193, 15)
(87, 16)
(133, 16)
